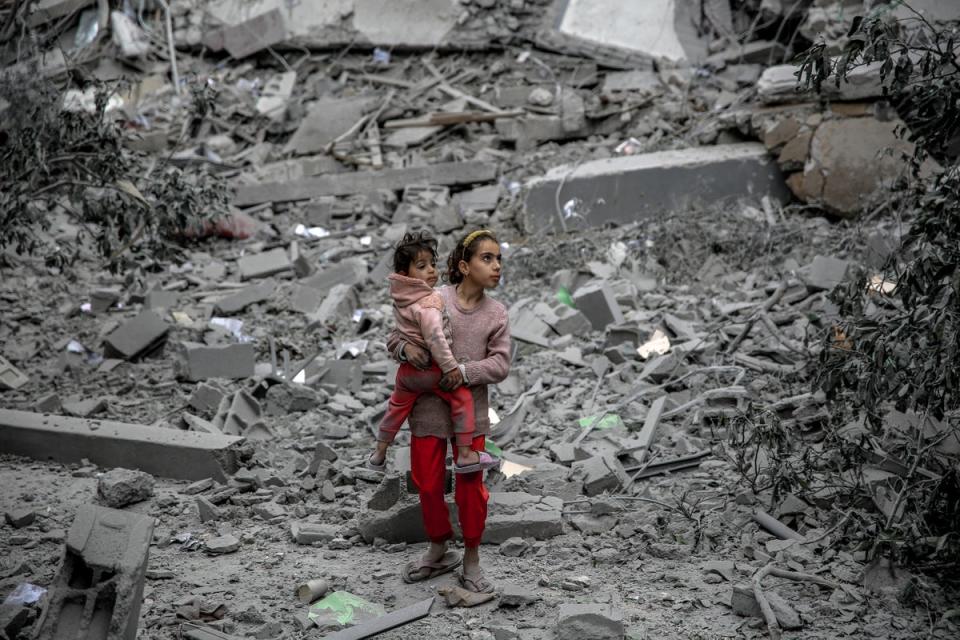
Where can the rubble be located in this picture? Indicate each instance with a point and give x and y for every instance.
(119, 487)
(602, 622)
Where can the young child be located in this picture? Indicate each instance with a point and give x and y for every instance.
(421, 321)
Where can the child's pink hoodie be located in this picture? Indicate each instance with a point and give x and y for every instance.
(418, 312)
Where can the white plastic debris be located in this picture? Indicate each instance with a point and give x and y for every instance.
(311, 233)
(128, 36)
(658, 344)
(629, 147)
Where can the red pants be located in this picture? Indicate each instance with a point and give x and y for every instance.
(411, 384)
(428, 467)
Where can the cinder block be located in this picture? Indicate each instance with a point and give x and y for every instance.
(247, 296)
(628, 188)
(99, 587)
(137, 336)
(261, 265)
(169, 453)
(598, 303)
(201, 362)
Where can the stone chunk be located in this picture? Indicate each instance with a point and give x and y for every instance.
(160, 299)
(269, 510)
(136, 337)
(628, 188)
(258, 33)
(512, 595)
(598, 303)
(20, 518)
(206, 397)
(600, 473)
(593, 621)
(207, 510)
(229, 361)
(310, 533)
(222, 544)
(10, 376)
(339, 304)
(261, 265)
(247, 296)
(825, 273)
(120, 487)
(745, 604)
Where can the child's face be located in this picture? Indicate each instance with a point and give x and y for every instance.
(485, 265)
(424, 267)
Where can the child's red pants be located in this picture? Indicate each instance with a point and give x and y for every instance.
(411, 384)
(428, 467)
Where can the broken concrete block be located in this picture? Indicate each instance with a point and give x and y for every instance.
(160, 299)
(169, 453)
(10, 376)
(269, 511)
(263, 31)
(247, 296)
(222, 544)
(136, 337)
(200, 362)
(338, 305)
(20, 518)
(49, 403)
(311, 533)
(512, 595)
(627, 188)
(206, 397)
(825, 273)
(291, 398)
(119, 487)
(14, 618)
(238, 414)
(600, 473)
(594, 621)
(275, 96)
(84, 408)
(571, 321)
(207, 511)
(779, 84)
(261, 265)
(597, 302)
(99, 586)
(196, 423)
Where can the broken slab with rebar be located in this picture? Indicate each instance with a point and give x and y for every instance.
(183, 455)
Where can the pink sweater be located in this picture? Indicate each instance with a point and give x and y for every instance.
(482, 343)
(418, 314)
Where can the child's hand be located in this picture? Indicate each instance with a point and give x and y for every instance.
(420, 358)
(451, 380)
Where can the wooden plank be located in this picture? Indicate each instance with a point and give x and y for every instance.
(385, 623)
(345, 184)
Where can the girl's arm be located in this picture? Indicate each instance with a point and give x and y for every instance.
(431, 328)
(495, 367)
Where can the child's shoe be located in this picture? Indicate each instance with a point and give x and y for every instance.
(373, 466)
(485, 462)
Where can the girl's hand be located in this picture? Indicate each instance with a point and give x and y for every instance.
(451, 380)
(420, 358)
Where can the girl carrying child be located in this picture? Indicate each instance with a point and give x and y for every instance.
(481, 347)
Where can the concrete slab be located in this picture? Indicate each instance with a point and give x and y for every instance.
(628, 188)
(327, 119)
(183, 455)
(99, 586)
(261, 265)
(407, 23)
(265, 30)
(136, 336)
(654, 28)
(247, 296)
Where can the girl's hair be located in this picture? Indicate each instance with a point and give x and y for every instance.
(410, 247)
(465, 250)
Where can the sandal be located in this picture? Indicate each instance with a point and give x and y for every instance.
(373, 466)
(420, 569)
(485, 462)
(477, 584)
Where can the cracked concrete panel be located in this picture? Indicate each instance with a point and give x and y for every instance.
(302, 17)
(657, 28)
(413, 23)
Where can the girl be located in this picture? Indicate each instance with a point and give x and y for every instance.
(482, 345)
(420, 319)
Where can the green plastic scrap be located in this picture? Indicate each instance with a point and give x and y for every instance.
(345, 609)
(608, 421)
(564, 296)
(492, 448)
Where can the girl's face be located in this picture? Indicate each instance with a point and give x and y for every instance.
(484, 267)
(424, 267)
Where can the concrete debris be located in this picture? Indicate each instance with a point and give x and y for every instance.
(119, 487)
(136, 337)
(252, 294)
(20, 518)
(622, 189)
(10, 376)
(163, 452)
(744, 603)
(261, 265)
(222, 544)
(597, 621)
(99, 585)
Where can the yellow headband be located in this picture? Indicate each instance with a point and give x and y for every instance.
(474, 235)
